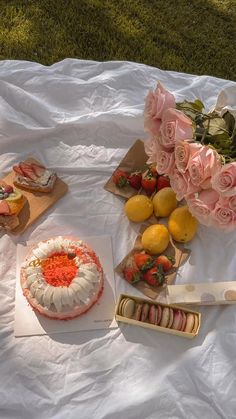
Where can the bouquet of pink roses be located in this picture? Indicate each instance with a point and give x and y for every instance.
(197, 151)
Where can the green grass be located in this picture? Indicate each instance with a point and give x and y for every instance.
(193, 36)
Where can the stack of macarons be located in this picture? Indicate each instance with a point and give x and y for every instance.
(159, 315)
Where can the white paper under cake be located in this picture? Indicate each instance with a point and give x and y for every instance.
(100, 316)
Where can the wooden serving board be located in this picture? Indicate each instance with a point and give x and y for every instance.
(37, 202)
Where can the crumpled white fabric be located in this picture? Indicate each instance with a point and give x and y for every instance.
(79, 118)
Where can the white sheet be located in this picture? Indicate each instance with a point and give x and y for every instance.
(80, 117)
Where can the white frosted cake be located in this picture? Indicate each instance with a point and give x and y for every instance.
(62, 277)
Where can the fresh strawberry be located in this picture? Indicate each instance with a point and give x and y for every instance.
(28, 171)
(135, 180)
(8, 189)
(143, 261)
(165, 261)
(132, 275)
(120, 178)
(163, 182)
(18, 170)
(154, 276)
(38, 169)
(4, 208)
(149, 182)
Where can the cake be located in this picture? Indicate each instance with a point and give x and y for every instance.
(34, 176)
(11, 203)
(62, 277)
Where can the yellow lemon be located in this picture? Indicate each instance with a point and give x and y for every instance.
(164, 202)
(138, 208)
(155, 239)
(182, 225)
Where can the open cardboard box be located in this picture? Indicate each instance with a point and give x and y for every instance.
(147, 325)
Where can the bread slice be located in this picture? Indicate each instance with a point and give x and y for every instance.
(34, 177)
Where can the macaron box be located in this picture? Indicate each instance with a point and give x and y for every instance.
(173, 319)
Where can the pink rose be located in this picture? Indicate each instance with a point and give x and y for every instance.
(183, 151)
(203, 165)
(165, 161)
(175, 126)
(224, 181)
(224, 217)
(202, 205)
(181, 184)
(150, 147)
(156, 103)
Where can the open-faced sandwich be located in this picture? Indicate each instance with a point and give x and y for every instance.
(34, 176)
(11, 203)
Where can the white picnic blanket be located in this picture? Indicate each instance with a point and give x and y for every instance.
(79, 118)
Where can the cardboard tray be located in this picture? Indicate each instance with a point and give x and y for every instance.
(37, 202)
(176, 250)
(135, 159)
(133, 322)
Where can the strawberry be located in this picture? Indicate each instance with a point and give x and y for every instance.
(120, 178)
(38, 169)
(8, 189)
(148, 182)
(132, 275)
(27, 170)
(165, 261)
(154, 276)
(18, 170)
(135, 179)
(163, 182)
(143, 261)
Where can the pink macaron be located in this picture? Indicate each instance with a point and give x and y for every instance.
(155, 312)
(178, 320)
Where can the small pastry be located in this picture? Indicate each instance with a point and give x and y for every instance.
(165, 317)
(34, 177)
(190, 323)
(178, 320)
(138, 311)
(171, 319)
(145, 311)
(11, 203)
(195, 327)
(128, 306)
(152, 314)
(184, 321)
(159, 314)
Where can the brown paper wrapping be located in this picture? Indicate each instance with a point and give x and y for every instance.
(176, 250)
(135, 159)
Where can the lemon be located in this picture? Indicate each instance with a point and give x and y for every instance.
(16, 195)
(164, 202)
(138, 208)
(155, 238)
(182, 225)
